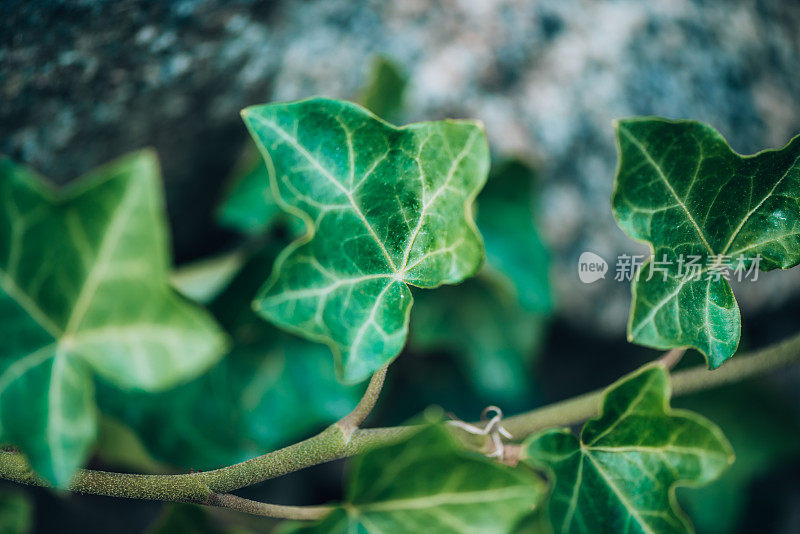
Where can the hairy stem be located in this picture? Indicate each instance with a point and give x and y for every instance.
(240, 504)
(578, 409)
(359, 414)
(337, 442)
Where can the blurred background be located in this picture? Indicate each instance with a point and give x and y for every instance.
(83, 82)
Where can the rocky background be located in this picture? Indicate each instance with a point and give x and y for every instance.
(84, 82)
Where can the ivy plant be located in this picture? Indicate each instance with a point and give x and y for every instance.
(234, 374)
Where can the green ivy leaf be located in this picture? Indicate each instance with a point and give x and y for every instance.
(429, 483)
(385, 208)
(84, 289)
(271, 389)
(386, 84)
(16, 512)
(683, 190)
(622, 473)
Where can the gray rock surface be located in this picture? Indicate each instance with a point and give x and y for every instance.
(84, 82)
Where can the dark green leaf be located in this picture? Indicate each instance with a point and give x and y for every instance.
(683, 190)
(84, 289)
(431, 484)
(190, 519)
(622, 473)
(385, 207)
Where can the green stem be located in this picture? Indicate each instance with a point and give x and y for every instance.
(340, 441)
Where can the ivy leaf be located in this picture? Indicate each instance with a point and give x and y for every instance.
(271, 389)
(84, 289)
(622, 473)
(429, 483)
(495, 322)
(386, 84)
(682, 189)
(385, 207)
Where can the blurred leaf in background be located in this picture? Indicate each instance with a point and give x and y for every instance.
(430, 483)
(763, 429)
(271, 389)
(385, 88)
(494, 323)
(84, 291)
(16, 512)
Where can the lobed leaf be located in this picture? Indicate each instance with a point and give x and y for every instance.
(682, 189)
(385, 208)
(620, 476)
(429, 483)
(84, 290)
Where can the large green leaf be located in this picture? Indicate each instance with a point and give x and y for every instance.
(622, 473)
(385, 207)
(494, 323)
(431, 484)
(683, 190)
(84, 289)
(271, 389)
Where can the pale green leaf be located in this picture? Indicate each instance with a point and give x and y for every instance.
(621, 475)
(270, 390)
(385, 208)
(429, 483)
(84, 290)
(683, 190)
(118, 447)
(204, 279)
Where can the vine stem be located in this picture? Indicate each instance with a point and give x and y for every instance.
(344, 439)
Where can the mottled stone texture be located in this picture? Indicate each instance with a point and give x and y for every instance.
(83, 82)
